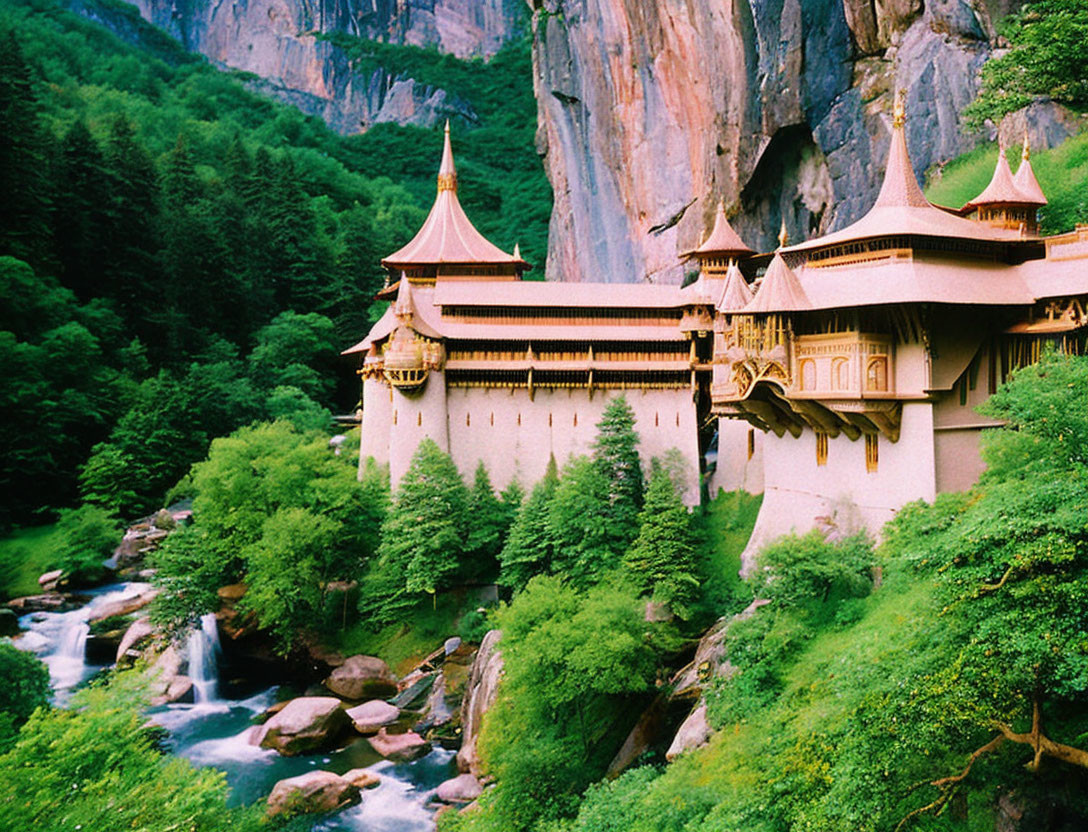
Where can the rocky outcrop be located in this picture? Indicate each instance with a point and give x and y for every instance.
(274, 39)
(314, 791)
(305, 724)
(363, 778)
(693, 733)
(479, 695)
(138, 631)
(464, 788)
(362, 677)
(650, 113)
(124, 606)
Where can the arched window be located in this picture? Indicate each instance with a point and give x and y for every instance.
(876, 374)
(840, 374)
(808, 374)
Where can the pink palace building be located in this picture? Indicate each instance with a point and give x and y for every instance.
(838, 376)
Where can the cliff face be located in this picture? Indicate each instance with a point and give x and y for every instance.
(270, 39)
(650, 113)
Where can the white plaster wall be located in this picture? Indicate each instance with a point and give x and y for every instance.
(800, 495)
(959, 464)
(377, 419)
(415, 417)
(735, 471)
(911, 369)
(484, 425)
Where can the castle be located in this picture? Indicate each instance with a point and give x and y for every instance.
(841, 382)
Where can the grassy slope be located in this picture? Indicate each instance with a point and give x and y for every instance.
(1062, 173)
(24, 556)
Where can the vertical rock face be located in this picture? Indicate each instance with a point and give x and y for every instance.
(651, 112)
(273, 40)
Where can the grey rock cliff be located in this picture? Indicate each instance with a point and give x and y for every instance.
(649, 113)
(274, 40)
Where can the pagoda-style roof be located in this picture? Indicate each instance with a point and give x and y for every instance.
(723, 240)
(539, 293)
(447, 235)
(1001, 190)
(780, 291)
(737, 293)
(1025, 180)
(902, 209)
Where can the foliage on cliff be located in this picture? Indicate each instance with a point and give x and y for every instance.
(1048, 56)
(957, 684)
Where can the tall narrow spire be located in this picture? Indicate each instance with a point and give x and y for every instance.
(900, 188)
(723, 240)
(447, 171)
(1025, 180)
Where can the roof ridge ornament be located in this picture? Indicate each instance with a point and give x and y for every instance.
(447, 171)
(1026, 153)
(783, 235)
(899, 108)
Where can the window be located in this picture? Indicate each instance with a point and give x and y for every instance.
(419, 418)
(821, 448)
(576, 420)
(876, 374)
(468, 420)
(871, 447)
(840, 374)
(808, 374)
(492, 418)
(751, 442)
(394, 417)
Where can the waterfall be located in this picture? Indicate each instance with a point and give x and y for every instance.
(73, 641)
(204, 660)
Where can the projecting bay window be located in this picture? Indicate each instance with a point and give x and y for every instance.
(821, 448)
(871, 450)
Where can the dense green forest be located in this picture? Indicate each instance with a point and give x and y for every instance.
(182, 256)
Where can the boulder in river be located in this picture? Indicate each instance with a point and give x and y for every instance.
(305, 724)
(124, 606)
(464, 788)
(314, 791)
(362, 677)
(9, 622)
(400, 748)
(49, 581)
(370, 716)
(47, 602)
(137, 631)
(364, 778)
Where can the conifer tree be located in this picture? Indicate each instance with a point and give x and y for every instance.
(24, 151)
(587, 542)
(528, 549)
(423, 534)
(615, 455)
(486, 526)
(662, 558)
(80, 212)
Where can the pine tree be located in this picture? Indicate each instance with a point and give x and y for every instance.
(662, 558)
(81, 213)
(587, 542)
(615, 455)
(486, 527)
(25, 228)
(528, 549)
(423, 533)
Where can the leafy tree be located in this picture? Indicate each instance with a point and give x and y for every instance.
(423, 536)
(615, 453)
(662, 558)
(190, 565)
(99, 749)
(89, 535)
(1049, 57)
(528, 549)
(25, 688)
(296, 350)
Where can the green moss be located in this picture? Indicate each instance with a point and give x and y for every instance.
(24, 556)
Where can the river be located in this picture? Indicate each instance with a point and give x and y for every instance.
(214, 729)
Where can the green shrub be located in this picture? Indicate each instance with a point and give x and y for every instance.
(88, 537)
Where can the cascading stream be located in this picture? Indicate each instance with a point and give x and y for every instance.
(204, 660)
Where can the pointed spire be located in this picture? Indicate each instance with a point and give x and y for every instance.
(737, 294)
(517, 251)
(404, 307)
(447, 171)
(1002, 189)
(783, 235)
(1025, 180)
(723, 240)
(900, 188)
(780, 290)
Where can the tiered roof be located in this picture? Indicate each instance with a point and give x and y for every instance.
(447, 235)
(1025, 180)
(723, 240)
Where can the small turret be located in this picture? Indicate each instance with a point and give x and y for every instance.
(1004, 205)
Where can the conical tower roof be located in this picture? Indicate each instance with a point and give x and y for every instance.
(902, 208)
(1025, 180)
(737, 294)
(1001, 190)
(723, 240)
(447, 235)
(780, 290)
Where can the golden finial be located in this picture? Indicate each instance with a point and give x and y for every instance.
(517, 251)
(899, 109)
(783, 235)
(1027, 146)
